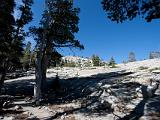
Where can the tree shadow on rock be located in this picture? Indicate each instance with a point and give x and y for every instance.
(19, 88)
(75, 90)
(148, 107)
(80, 89)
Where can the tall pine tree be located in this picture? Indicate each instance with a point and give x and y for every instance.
(7, 23)
(57, 27)
(12, 34)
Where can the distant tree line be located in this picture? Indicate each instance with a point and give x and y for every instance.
(132, 56)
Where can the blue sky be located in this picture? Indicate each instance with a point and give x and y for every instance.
(102, 37)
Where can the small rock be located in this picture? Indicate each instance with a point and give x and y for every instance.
(28, 99)
(109, 91)
(104, 94)
(96, 93)
(28, 113)
(73, 101)
(46, 108)
(143, 118)
(63, 116)
(32, 118)
(40, 107)
(1, 117)
(99, 84)
(130, 107)
(101, 106)
(112, 99)
(106, 86)
(9, 118)
(139, 95)
(17, 107)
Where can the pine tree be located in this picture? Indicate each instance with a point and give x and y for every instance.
(12, 34)
(6, 30)
(154, 55)
(57, 28)
(123, 10)
(131, 57)
(26, 60)
(96, 60)
(112, 62)
(55, 59)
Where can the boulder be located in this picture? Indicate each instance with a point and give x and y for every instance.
(17, 107)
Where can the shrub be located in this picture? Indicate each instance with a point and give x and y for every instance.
(112, 63)
(153, 69)
(96, 60)
(143, 68)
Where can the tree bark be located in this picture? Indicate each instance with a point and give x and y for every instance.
(38, 75)
(44, 71)
(3, 75)
(41, 68)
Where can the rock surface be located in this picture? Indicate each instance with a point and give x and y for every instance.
(96, 93)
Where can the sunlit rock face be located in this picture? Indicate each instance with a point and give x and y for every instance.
(79, 61)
